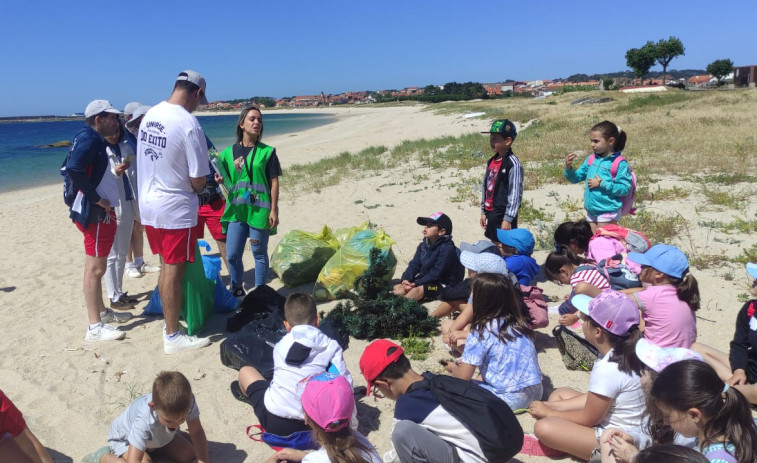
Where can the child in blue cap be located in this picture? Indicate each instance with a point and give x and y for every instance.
(516, 247)
(671, 296)
(503, 182)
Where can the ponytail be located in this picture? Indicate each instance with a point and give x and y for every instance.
(557, 259)
(341, 446)
(623, 348)
(687, 289)
(611, 130)
(578, 233)
(725, 412)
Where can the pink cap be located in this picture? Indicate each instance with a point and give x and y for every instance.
(328, 400)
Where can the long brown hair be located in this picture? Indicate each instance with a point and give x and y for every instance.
(495, 299)
(243, 116)
(725, 411)
(341, 446)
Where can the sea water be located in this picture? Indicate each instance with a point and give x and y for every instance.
(24, 163)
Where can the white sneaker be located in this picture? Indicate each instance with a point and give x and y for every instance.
(133, 272)
(184, 342)
(115, 317)
(147, 268)
(104, 333)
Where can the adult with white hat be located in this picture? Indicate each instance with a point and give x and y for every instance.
(92, 212)
(172, 162)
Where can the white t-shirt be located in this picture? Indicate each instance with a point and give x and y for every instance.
(320, 456)
(171, 149)
(627, 409)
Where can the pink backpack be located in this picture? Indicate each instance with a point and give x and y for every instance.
(627, 205)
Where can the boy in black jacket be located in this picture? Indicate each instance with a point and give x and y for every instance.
(435, 264)
(503, 182)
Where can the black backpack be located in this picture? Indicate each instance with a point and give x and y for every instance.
(69, 191)
(488, 417)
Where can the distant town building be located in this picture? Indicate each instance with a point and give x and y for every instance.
(744, 76)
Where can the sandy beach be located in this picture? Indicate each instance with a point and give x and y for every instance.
(70, 391)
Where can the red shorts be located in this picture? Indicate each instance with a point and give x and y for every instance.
(99, 236)
(210, 214)
(11, 420)
(174, 246)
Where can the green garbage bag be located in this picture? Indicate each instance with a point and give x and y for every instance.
(300, 255)
(197, 295)
(343, 235)
(350, 261)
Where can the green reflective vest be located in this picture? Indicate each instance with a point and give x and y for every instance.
(249, 199)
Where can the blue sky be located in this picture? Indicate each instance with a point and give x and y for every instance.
(57, 56)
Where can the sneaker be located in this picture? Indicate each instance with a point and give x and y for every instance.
(123, 302)
(104, 333)
(147, 268)
(239, 292)
(133, 272)
(532, 446)
(184, 342)
(115, 317)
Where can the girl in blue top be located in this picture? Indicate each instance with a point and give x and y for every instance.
(500, 344)
(604, 193)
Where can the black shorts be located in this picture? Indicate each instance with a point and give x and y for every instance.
(431, 291)
(493, 221)
(271, 423)
(458, 292)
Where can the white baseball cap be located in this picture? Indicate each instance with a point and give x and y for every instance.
(197, 79)
(131, 107)
(139, 112)
(99, 106)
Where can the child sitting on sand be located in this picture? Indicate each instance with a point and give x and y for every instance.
(564, 267)
(328, 404)
(435, 264)
(516, 247)
(17, 442)
(304, 351)
(670, 298)
(500, 344)
(603, 197)
(150, 424)
(503, 182)
(571, 421)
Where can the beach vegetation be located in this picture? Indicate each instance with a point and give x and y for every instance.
(725, 198)
(644, 194)
(747, 255)
(530, 214)
(658, 228)
(416, 347)
(739, 225)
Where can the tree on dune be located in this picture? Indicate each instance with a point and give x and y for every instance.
(720, 68)
(640, 60)
(665, 51)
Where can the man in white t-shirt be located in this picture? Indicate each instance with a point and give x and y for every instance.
(92, 211)
(172, 162)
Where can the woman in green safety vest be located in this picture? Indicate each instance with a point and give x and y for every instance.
(251, 176)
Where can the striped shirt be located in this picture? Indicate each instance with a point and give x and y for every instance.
(590, 276)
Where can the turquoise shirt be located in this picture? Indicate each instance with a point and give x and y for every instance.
(608, 196)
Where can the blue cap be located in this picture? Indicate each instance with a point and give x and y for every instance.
(751, 269)
(664, 258)
(519, 238)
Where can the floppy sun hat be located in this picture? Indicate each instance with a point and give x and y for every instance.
(657, 358)
(484, 262)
